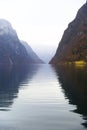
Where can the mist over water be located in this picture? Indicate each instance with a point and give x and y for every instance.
(43, 97)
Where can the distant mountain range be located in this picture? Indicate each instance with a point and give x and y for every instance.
(12, 50)
(73, 45)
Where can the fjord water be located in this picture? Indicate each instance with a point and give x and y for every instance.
(43, 97)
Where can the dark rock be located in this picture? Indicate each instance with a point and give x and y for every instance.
(73, 45)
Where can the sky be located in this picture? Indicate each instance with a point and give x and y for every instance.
(40, 23)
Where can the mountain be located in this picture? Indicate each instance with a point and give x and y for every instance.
(73, 45)
(12, 51)
(31, 53)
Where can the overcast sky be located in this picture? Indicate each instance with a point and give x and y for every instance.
(40, 22)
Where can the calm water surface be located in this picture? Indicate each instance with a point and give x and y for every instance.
(43, 97)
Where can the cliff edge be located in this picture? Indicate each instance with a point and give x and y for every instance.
(73, 45)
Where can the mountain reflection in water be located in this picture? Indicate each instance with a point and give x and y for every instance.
(11, 78)
(73, 80)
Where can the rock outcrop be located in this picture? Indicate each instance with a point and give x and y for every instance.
(73, 45)
(12, 51)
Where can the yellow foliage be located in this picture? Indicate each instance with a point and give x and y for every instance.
(80, 63)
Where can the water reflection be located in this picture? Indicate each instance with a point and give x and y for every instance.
(11, 79)
(73, 80)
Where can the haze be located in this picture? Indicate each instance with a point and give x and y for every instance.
(41, 23)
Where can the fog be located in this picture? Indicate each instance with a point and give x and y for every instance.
(41, 23)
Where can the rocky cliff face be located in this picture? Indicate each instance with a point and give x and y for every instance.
(73, 45)
(12, 51)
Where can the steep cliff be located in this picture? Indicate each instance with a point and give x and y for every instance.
(73, 45)
(12, 51)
